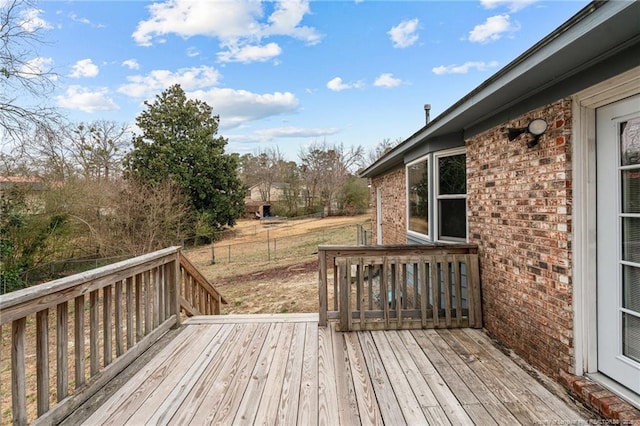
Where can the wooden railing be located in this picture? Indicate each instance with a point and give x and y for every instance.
(91, 325)
(399, 287)
(197, 295)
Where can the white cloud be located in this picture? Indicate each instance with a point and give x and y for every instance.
(36, 67)
(31, 21)
(286, 18)
(74, 17)
(239, 106)
(246, 54)
(337, 85)
(239, 22)
(512, 5)
(84, 68)
(404, 34)
(387, 80)
(192, 52)
(492, 29)
(83, 99)
(132, 64)
(464, 68)
(295, 132)
(156, 81)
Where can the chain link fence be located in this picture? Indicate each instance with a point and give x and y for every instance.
(272, 245)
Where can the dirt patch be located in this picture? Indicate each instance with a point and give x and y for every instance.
(284, 289)
(283, 272)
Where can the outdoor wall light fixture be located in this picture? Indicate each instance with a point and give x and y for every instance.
(535, 128)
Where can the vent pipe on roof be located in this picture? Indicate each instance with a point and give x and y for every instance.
(427, 108)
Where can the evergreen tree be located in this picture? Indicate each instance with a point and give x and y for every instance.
(179, 143)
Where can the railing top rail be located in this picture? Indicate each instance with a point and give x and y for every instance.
(203, 281)
(398, 248)
(56, 286)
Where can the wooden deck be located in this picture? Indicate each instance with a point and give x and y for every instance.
(284, 369)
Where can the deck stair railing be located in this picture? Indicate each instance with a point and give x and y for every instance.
(76, 333)
(400, 287)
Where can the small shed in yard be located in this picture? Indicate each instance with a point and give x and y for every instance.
(539, 166)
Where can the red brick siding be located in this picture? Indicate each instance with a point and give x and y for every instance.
(519, 215)
(394, 205)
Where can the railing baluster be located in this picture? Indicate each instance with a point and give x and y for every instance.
(435, 290)
(336, 296)
(139, 325)
(118, 319)
(147, 302)
(458, 287)
(399, 297)
(361, 291)
(345, 295)
(94, 323)
(417, 301)
(18, 388)
(384, 290)
(446, 279)
(424, 291)
(42, 360)
(404, 295)
(370, 273)
(156, 298)
(78, 340)
(129, 304)
(107, 324)
(62, 342)
(393, 283)
(168, 289)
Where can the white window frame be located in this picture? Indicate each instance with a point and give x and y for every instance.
(437, 197)
(423, 159)
(431, 160)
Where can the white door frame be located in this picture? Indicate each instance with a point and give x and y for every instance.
(584, 215)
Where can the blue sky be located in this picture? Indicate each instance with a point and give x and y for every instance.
(287, 73)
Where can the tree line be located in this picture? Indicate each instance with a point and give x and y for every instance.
(324, 179)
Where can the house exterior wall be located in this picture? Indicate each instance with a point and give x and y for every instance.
(276, 193)
(519, 215)
(394, 206)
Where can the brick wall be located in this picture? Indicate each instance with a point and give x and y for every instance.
(394, 228)
(520, 217)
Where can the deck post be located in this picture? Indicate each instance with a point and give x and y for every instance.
(173, 281)
(322, 288)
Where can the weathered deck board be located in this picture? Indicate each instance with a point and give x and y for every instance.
(283, 369)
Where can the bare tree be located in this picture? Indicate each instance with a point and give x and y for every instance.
(48, 154)
(25, 77)
(265, 168)
(326, 168)
(384, 146)
(119, 217)
(142, 219)
(98, 147)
